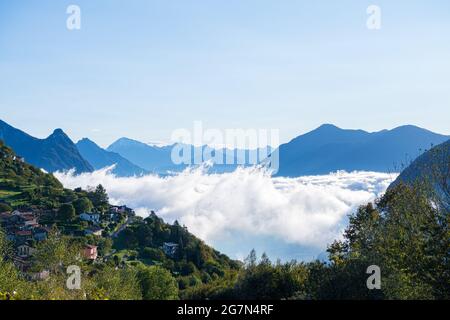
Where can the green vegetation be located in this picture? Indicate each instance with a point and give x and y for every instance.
(66, 212)
(193, 264)
(157, 284)
(22, 184)
(99, 282)
(5, 207)
(405, 232)
(132, 264)
(82, 205)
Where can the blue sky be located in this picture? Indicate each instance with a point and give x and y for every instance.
(142, 68)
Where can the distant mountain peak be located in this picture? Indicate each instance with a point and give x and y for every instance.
(86, 141)
(59, 135)
(126, 140)
(409, 128)
(55, 153)
(101, 158)
(58, 131)
(328, 126)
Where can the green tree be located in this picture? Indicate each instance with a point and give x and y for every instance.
(10, 281)
(99, 198)
(404, 234)
(264, 280)
(56, 252)
(105, 246)
(187, 268)
(82, 205)
(157, 284)
(66, 212)
(153, 254)
(116, 284)
(4, 207)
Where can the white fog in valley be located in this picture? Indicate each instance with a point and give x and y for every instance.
(288, 218)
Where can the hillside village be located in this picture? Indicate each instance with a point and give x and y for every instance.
(25, 229)
(45, 228)
(37, 214)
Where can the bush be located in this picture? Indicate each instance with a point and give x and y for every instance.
(187, 268)
(66, 212)
(83, 205)
(153, 254)
(4, 207)
(157, 284)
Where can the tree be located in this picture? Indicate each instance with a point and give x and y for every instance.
(406, 235)
(105, 246)
(66, 212)
(11, 284)
(153, 254)
(9, 276)
(157, 284)
(99, 198)
(55, 252)
(116, 284)
(4, 207)
(82, 205)
(187, 268)
(265, 280)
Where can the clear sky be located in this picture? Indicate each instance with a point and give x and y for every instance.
(143, 68)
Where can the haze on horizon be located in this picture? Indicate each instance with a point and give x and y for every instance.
(146, 68)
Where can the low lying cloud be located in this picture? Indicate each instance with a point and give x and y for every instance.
(306, 211)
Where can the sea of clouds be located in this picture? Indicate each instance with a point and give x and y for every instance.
(289, 218)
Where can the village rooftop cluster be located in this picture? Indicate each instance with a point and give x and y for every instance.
(25, 229)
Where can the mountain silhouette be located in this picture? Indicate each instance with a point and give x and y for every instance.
(151, 158)
(432, 167)
(55, 153)
(159, 159)
(329, 148)
(100, 158)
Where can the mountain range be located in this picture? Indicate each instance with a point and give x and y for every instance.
(100, 158)
(56, 152)
(151, 158)
(329, 148)
(159, 159)
(321, 151)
